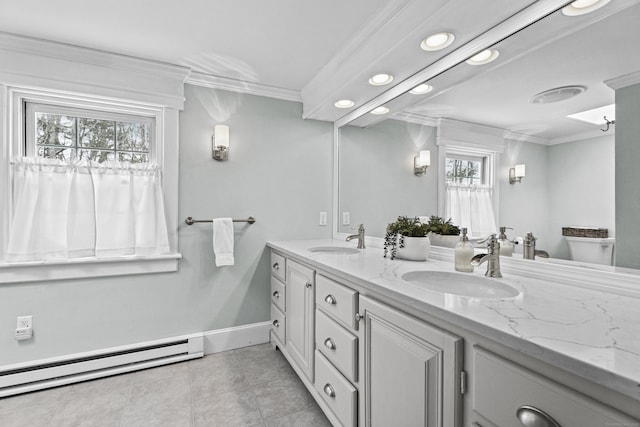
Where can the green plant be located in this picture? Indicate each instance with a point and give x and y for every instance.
(396, 231)
(440, 226)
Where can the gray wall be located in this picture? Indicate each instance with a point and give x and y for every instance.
(279, 171)
(627, 250)
(377, 183)
(581, 187)
(524, 206)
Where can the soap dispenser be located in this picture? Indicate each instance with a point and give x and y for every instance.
(463, 253)
(506, 245)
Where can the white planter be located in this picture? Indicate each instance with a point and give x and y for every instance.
(415, 248)
(446, 241)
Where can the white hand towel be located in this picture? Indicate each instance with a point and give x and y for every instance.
(223, 241)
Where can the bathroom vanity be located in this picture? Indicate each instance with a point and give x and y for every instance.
(382, 342)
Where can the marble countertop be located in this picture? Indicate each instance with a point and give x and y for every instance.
(591, 333)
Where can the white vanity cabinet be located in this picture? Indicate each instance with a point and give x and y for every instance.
(410, 370)
(506, 394)
(300, 316)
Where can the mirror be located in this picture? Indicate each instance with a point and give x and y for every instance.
(570, 170)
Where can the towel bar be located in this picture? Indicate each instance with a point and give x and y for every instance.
(191, 221)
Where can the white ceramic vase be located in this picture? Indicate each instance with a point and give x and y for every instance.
(415, 248)
(446, 241)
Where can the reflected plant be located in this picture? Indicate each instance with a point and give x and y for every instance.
(398, 230)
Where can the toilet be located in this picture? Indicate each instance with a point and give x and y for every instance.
(592, 250)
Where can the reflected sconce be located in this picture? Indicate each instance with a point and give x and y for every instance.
(516, 174)
(421, 162)
(220, 142)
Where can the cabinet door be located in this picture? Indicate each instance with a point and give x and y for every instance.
(411, 370)
(300, 301)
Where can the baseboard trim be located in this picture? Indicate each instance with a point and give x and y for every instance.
(236, 337)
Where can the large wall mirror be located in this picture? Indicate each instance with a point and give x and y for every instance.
(570, 175)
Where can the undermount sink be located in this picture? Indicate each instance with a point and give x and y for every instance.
(334, 250)
(460, 284)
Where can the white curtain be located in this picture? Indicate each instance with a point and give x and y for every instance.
(471, 206)
(77, 209)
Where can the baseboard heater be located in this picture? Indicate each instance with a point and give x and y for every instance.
(31, 376)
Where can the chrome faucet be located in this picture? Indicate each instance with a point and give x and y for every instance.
(492, 258)
(360, 237)
(529, 250)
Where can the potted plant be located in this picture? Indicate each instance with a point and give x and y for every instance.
(443, 233)
(407, 238)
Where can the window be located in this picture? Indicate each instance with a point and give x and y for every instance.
(76, 134)
(466, 169)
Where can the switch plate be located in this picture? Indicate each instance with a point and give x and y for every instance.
(323, 218)
(346, 218)
(24, 322)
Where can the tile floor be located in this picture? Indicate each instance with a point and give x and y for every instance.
(252, 386)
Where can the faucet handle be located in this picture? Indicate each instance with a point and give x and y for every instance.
(490, 238)
(360, 227)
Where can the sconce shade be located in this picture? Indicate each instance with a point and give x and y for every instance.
(220, 142)
(516, 174)
(421, 162)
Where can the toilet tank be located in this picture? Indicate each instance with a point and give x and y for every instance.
(593, 250)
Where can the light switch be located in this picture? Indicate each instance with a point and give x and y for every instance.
(346, 218)
(323, 218)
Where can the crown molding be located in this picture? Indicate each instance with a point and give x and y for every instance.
(34, 62)
(517, 136)
(415, 118)
(623, 81)
(233, 85)
(594, 133)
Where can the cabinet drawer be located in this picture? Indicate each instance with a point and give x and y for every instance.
(278, 295)
(340, 346)
(336, 391)
(337, 301)
(502, 388)
(278, 266)
(278, 323)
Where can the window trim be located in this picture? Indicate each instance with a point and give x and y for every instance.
(13, 131)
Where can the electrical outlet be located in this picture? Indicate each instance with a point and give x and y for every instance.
(323, 218)
(24, 322)
(346, 218)
(23, 334)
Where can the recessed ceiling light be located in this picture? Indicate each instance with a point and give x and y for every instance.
(421, 89)
(381, 79)
(582, 7)
(596, 116)
(344, 103)
(380, 110)
(437, 41)
(557, 94)
(484, 57)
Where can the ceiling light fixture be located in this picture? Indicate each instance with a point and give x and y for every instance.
(484, 57)
(582, 7)
(380, 110)
(437, 41)
(421, 89)
(381, 79)
(344, 103)
(557, 94)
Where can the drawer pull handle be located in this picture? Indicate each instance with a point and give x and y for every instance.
(531, 416)
(276, 294)
(329, 391)
(276, 266)
(330, 299)
(276, 323)
(330, 344)
(308, 284)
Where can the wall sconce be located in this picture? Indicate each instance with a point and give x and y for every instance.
(220, 142)
(516, 174)
(421, 162)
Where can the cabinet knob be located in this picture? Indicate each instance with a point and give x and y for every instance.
(308, 284)
(359, 317)
(276, 294)
(531, 416)
(329, 391)
(276, 266)
(330, 299)
(276, 323)
(330, 344)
